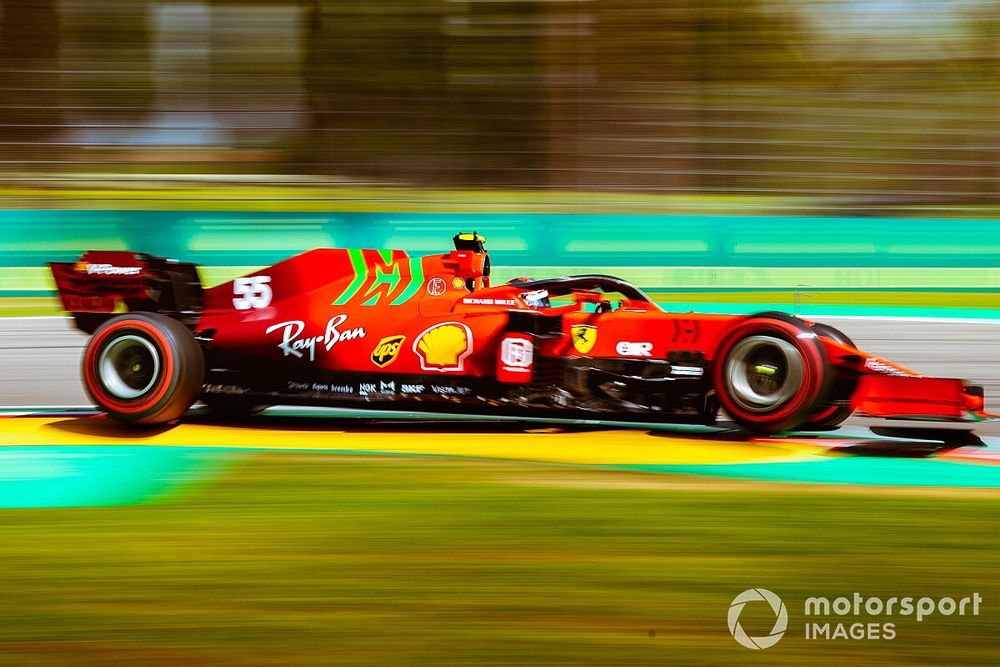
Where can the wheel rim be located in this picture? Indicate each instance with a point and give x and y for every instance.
(129, 367)
(762, 373)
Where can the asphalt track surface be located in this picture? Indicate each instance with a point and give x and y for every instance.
(40, 357)
(39, 361)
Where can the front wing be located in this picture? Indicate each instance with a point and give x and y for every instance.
(918, 397)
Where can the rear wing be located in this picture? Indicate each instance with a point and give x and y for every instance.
(102, 283)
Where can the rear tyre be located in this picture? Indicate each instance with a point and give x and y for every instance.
(143, 368)
(770, 373)
(830, 417)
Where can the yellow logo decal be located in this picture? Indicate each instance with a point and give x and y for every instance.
(444, 347)
(584, 337)
(387, 350)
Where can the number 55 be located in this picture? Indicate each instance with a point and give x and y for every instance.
(253, 292)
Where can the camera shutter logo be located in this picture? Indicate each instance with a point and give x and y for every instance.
(780, 623)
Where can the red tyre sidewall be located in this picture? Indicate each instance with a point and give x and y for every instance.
(814, 371)
(827, 412)
(93, 382)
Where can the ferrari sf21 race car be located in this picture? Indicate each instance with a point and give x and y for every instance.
(383, 330)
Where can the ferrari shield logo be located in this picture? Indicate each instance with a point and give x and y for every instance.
(584, 337)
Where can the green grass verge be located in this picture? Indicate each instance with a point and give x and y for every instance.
(300, 559)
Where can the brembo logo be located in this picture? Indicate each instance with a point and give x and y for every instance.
(780, 622)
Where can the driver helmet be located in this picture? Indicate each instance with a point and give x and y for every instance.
(537, 298)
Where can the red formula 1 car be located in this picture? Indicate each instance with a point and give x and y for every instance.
(381, 329)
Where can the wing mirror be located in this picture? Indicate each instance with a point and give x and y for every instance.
(582, 296)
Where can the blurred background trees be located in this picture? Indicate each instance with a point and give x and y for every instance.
(876, 100)
(29, 58)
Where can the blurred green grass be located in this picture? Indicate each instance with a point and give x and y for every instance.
(30, 306)
(170, 194)
(301, 559)
(183, 196)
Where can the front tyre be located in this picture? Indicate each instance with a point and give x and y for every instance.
(143, 368)
(770, 373)
(830, 417)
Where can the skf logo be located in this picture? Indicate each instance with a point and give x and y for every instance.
(387, 350)
(584, 337)
(444, 347)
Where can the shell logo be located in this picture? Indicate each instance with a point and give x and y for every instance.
(444, 347)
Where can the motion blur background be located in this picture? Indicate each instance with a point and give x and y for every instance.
(334, 122)
(835, 103)
(814, 156)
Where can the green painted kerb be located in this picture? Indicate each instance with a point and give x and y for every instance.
(869, 471)
(87, 476)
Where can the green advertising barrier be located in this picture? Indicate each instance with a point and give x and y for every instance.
(792, 257)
